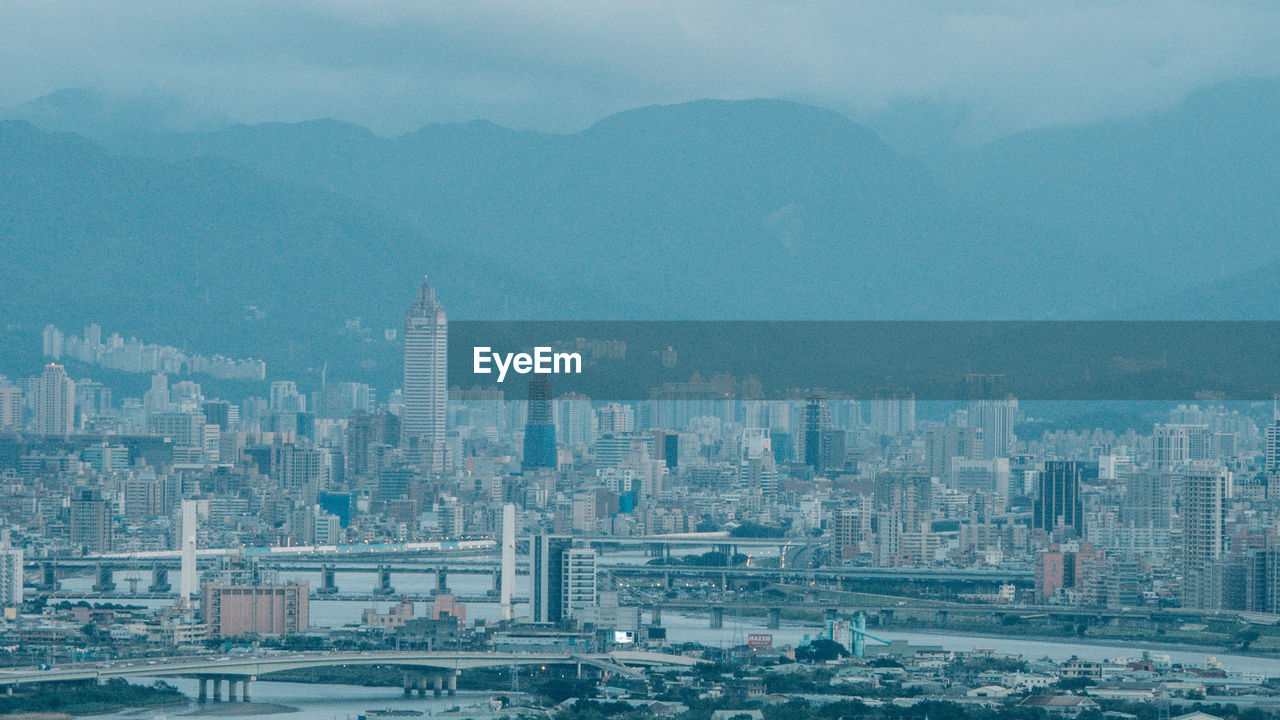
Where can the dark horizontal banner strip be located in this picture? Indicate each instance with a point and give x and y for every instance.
(1067, 360)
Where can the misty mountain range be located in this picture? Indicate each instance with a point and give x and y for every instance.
(262, 240)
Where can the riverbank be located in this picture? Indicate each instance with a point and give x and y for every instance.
(1105, 642)
(70, 699)
(240, 709)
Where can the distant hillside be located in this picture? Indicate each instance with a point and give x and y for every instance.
(706, 209)
(1163, 203)
(756, 209)
(211, 256)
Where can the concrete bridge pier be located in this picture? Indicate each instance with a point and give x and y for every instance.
(49, 579)
(384, 581)
(452, 687)
(328, 581)
(438, 690)
(159, 580)
(246, 688)
(105, 582)
(217, 689)
(775, 618)
(717, 618)
(204, 690)
(231, 689)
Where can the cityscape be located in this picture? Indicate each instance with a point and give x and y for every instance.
(661, 360)
(434, 535)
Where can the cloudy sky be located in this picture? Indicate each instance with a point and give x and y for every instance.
(562, 64)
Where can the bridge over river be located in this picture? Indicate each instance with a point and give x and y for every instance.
(439, 668)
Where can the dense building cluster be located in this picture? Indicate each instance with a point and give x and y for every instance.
(1179, 514)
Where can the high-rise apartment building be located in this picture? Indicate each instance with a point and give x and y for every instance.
(1204, 490)
(1271, 448)
(55, 402)
(10, 406)
(995, 420)
(945, 443)
(893, 414)
(90, 524)
(10, 575)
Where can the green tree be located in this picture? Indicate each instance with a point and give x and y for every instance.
(821, 650)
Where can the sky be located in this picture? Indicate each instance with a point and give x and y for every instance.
(992, 67)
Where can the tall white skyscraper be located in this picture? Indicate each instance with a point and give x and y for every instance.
(426, 390)
(55, 402)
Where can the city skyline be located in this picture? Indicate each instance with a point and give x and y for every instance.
(640, 360)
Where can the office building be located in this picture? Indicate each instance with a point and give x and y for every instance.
(942, 444)
(285, 398)
(578, 587)
(235, 610)
(547, 581)
(1058, 507)
(422, 424)
(540, 427)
